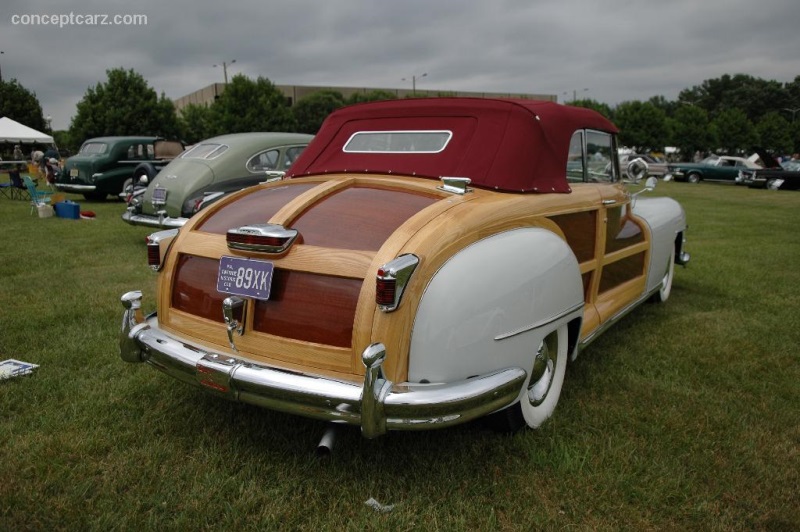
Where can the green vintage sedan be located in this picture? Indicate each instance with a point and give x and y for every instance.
(208, 171)
(714, 168)
(105, 165)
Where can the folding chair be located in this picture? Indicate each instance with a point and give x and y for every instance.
(18, 188)
(38, 197)
(11, 189)
(7, 190)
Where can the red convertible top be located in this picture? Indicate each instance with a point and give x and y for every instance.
(507, 145)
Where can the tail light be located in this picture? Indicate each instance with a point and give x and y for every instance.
(264, 238)
(391, 281)
(157, 246)
(193, 205)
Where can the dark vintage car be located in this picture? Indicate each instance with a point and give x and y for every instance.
(713, 168)
(777, 176)
(105, 165)
(208, 171)
(425, 262)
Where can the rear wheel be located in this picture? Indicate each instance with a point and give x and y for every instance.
(543, 389)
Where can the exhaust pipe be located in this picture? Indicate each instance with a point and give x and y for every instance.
(325, 445)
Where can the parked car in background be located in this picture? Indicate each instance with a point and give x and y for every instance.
(105, 165)
(713, 168)
(655, 167)
(210, 170)
(367, 289)
(776, 176)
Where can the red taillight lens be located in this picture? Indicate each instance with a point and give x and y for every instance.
(153, 255)
(391, 281)
(385, 290)
(157, 246)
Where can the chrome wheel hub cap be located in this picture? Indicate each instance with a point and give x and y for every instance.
(541, 375)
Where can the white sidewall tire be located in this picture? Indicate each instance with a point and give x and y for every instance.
(535, 415)
(666, 283)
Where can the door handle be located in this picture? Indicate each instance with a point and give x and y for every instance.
(609, 201)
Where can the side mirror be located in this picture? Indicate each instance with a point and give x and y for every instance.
(649, 186)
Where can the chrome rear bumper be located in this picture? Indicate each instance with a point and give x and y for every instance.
(153, 221)
(76, 189)
(376, 404)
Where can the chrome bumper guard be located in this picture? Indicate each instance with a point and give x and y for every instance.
(161, 221)
(377, 404)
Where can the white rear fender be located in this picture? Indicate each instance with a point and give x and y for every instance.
(490, 305)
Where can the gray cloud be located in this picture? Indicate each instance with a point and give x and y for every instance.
(618, 49)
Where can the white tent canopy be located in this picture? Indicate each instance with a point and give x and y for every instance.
(12, 131)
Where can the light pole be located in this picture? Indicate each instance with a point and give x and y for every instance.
(225, 69)
(575, 93)
(793, 111)
(49, 120)
(1, 70)
(414, 82)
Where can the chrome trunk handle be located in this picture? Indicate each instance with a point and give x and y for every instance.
(233, 310)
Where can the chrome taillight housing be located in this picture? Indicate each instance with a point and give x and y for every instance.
(263, 238)
(157, 246)
(392, 280)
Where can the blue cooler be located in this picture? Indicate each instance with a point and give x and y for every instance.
(68, 209)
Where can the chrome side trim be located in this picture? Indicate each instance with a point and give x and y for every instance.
(540, 323)
(376, 404)
(583, 344)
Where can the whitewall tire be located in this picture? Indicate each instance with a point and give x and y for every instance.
(539, 400)
(543, 388)
(666, 283)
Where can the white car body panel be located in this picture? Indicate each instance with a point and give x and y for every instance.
(523, 284)
(666, 218)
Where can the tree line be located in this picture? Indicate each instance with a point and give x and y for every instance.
(730, 114)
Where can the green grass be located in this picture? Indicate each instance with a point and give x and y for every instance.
(682, 416)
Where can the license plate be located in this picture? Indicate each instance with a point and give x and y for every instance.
(244, 277)
(73, 172)
(159, 195)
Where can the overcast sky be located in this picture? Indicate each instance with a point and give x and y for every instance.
(617, 49)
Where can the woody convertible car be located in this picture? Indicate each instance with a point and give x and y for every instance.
(424, 263)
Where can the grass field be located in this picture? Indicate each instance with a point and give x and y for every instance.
(684, 416)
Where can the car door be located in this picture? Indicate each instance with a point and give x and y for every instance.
(610, 243)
